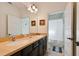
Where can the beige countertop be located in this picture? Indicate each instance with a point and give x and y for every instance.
(10, 47)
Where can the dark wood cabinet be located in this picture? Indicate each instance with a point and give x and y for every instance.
(45, 44)
(41, 43)
(34, 52)
(35, 49)
(38, 48)
(26, 51)
(17, 54)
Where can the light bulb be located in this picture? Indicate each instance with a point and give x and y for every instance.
(36, 9)
(33, 7)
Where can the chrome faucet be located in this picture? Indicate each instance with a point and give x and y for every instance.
(12, 37)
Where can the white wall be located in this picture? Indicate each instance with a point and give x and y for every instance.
(6, 9)
(44, 8)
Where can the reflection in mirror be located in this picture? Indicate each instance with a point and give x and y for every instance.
(12, 25)
(25, 25)
(3, 25)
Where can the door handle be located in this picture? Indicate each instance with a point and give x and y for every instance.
(9, 34)
(77, 43)
(70, 38)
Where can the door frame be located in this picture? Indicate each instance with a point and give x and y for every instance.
(74, 27)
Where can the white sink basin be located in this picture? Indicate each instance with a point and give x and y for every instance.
(13, 43)
(16, 42)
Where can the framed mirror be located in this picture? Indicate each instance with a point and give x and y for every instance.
(42, 22)
(33, 23)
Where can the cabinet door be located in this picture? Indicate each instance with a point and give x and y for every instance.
(45, 45)
(41, 53)
(34, 52)
(35, 49)
(35, 44)
(26, 51)
(41, 43)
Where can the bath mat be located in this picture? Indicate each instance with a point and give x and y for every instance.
(54, 48)
(60, 49)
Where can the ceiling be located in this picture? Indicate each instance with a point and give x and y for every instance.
(43, 7)
(24, 5)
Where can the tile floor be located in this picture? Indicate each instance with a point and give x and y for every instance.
(50, 52)
(53, 53)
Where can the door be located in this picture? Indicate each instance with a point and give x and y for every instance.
(25, 25)
(68, 49)
(77, 32)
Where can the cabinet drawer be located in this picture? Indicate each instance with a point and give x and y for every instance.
(41, 52)
(41, 41)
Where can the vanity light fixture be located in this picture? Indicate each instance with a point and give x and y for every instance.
(33, 8)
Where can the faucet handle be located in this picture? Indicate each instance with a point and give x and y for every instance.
(13, 38)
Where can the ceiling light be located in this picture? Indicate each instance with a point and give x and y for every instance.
(33, 8)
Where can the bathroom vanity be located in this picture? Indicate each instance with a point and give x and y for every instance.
(36, 45)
